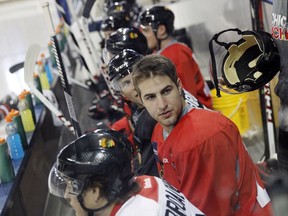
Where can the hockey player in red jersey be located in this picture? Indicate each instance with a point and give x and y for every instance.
(140, 122)
(157, 24)
(94, 174)
(200, 152)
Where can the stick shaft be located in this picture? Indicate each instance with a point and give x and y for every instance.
(61, 70)
(265, 92)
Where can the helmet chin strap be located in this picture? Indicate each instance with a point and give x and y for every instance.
(91, 211)
(159, 40)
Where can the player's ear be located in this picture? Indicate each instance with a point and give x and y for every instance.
(96, 193)
(179, 86)
(161, 31)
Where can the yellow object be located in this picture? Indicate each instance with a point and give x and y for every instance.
(233, 106)
(26, 114)
(43, 76)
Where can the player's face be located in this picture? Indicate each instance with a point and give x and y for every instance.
(127, 89)
(150, 36)
(107, 34)
(72, 199)
(162, 99)
(91, 200)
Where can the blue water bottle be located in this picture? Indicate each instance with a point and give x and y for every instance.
(13, 139)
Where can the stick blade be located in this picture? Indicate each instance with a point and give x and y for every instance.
(29, 64)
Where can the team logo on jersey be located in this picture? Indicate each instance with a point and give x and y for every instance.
(165, 160)
(147, 183)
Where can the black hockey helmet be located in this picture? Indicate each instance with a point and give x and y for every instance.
(127, 38)
(158, 15)
(113, 23)
(119, 9)
(108, 3)
(121, 65)
(103, 156)
(247, 62)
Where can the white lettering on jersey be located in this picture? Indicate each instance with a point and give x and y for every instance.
(175, 201)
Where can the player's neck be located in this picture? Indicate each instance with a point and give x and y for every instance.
(105, 212)
(166, 42)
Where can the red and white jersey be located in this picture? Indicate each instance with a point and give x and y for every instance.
(156, 198)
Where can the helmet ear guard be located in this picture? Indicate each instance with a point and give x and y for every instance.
(244, 65)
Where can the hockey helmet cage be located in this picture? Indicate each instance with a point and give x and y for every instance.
(127, 38)
(247, 62)
(158, 15)
(103, 154)
(121, 65)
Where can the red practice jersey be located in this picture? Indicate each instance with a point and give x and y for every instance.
(205, 158)
(188, 71)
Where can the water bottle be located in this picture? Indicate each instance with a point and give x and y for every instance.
(60, 40)
(43, 76)
(7, 173)
(47, 68)
(28, 97)
(13, 140)
(52, 55)
(26, 114)
(18, 122)
(63, 31)
(37, 84)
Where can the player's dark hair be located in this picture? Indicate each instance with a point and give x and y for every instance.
(151, 66)
(103, 185)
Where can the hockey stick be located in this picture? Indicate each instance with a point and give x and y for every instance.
(87, 51)
(61, 70)
(16, 67)
(86, 15)
(265, 92)
(83, 29)
(29, 65)
(62, 8)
